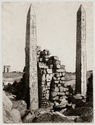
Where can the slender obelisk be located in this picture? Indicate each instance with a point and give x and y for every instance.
(31, 61)
(81, 83)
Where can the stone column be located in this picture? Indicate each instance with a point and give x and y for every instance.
(81, 83)
(31, 61)
(6, 68)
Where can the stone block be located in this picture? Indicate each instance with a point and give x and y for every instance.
(55, 89)
(62, 78)
(53, 94)
(49, 71)
(21, 106)
(61, 93)
(16, 116)
(62, 82)
(56, 98)
(48, 84)
(61, 89)
(56, 82)
(48, 77)
(7, 104)
(60, 70)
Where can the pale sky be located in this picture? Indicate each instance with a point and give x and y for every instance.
(56, 31)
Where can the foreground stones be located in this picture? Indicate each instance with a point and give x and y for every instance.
(85, 114)
(7, 104)
(10, 115)
(45, 116)
(21, 106)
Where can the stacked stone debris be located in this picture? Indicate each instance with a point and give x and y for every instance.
(58, 90)
(51, 80)
(44, 77)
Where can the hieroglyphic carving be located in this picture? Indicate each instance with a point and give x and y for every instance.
(81, 84)
(31, 60)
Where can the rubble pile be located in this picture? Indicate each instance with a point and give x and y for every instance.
(44, 80)
(59, 92)
(10, 114)
(44, 77)
(51, 79)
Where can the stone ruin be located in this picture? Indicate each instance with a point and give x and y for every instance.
(51, 80)
(45, 75)
(6, 69)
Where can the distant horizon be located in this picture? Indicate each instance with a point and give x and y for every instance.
(66, 71)
(56, 31)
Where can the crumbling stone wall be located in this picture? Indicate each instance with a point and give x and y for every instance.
(51, 80)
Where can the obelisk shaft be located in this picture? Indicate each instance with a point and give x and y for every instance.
(81, 83)
(31, 60)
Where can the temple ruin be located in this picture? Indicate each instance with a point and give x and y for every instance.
(45, 75)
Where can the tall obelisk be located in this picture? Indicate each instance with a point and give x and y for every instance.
(31, 61)
(81, 83)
